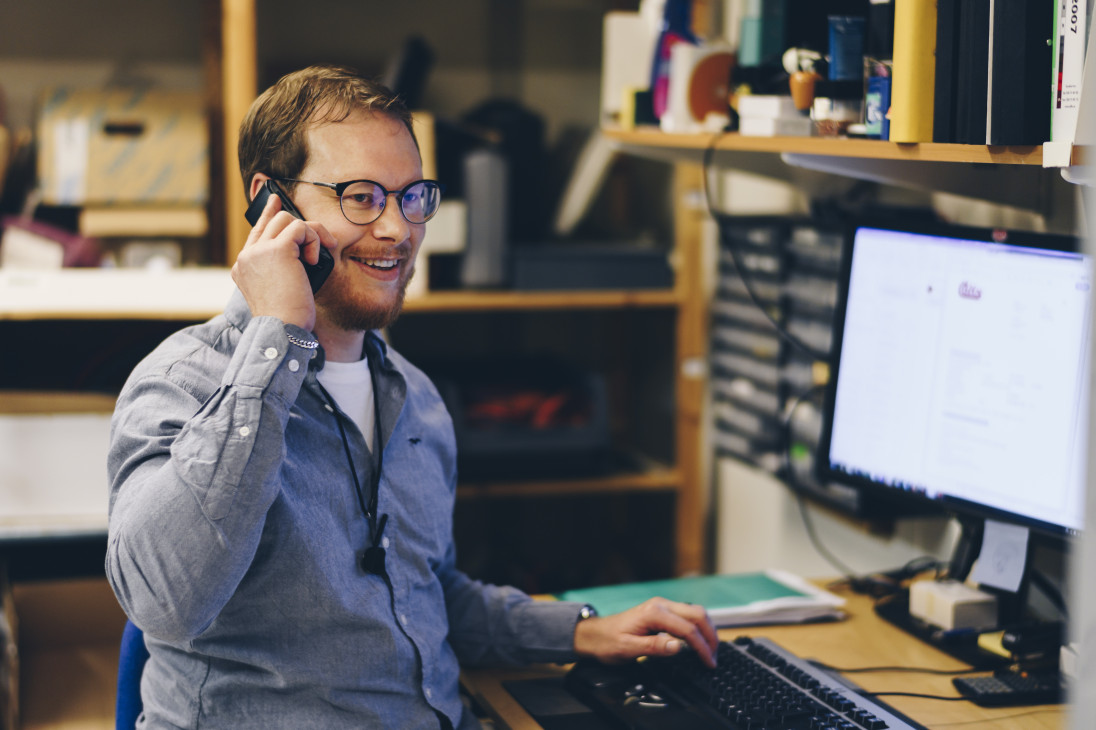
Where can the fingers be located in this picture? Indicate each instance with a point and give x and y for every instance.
(270, 209)
(268, 271)
(314, 236)
(657, 627)
(700, 618)
(691, 624)
(307, 235)
(658, 645)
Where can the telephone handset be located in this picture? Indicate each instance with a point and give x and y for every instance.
(317, 273)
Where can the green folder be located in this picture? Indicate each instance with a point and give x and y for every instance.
(731, 600)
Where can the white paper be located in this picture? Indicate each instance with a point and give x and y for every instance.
(1003, 556)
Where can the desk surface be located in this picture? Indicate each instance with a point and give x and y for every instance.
(861, 641)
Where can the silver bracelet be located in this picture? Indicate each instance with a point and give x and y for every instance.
(306, 344)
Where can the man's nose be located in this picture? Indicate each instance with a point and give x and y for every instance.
(391, 223)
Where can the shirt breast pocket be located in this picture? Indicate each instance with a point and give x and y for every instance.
(417, 491)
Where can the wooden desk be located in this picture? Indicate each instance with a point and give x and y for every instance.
(861, 641)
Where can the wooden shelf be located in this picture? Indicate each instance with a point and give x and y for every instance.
(809, 162)
(691, 145)
(466, 301)
(21, 402)
(105, 294)
(50, 526)
(198, 294)
(659, 478)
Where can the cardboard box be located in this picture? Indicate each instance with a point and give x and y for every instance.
(69, 634)
(123, 146)
(5, 154)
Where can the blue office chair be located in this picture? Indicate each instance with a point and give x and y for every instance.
(131, 662)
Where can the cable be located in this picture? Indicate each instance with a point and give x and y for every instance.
(918, 670)
(849, 576)
(740, 268)
(918, 694)
(848, 573)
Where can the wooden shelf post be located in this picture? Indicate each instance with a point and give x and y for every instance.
(690, 370)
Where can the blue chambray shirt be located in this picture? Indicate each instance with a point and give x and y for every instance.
(234, 531)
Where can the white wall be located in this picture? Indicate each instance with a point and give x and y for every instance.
(760, 526)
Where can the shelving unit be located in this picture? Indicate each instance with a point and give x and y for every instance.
(230, 54)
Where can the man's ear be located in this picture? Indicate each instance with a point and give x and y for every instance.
(257, 181)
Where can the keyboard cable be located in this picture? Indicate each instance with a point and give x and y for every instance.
(736, 256)
(849, 576)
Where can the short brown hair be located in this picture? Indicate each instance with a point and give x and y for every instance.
(272, 135)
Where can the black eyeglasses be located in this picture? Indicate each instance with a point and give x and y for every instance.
(363, 201)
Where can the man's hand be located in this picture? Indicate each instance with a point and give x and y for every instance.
(656, 627)
(268, 270)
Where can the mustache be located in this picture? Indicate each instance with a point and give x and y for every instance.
(400, 250)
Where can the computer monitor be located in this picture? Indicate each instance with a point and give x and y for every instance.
(960, 372)
(959, 375)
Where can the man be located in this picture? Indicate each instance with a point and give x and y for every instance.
(282, 483)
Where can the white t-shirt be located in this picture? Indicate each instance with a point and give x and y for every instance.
(352, 388)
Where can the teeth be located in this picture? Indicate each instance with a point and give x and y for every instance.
(380, 263)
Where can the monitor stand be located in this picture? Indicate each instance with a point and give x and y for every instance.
(895, 608)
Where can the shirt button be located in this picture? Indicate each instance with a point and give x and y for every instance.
(429, 694)
(245, 430)
(403, 619)
(294, 366)
(270, 353)
(328, 408)
(385, 542)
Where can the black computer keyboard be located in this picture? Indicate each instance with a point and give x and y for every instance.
(756, 684)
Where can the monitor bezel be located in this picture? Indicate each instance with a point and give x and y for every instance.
(896, 496)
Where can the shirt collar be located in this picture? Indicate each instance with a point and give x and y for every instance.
(239, 316)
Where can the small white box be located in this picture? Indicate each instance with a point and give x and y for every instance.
(797, 126)
(950, 605)
(766, 105)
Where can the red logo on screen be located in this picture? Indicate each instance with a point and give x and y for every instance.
(969, 291)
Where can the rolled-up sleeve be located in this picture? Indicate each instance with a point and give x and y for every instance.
(197, 440)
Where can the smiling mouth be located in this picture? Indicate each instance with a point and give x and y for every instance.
(379, 264)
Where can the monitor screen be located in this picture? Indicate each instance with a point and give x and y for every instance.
(960, 372)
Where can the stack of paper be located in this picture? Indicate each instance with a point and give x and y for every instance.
(741, 599)
(762, 115)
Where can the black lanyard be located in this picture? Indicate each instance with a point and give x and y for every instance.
(371, 559)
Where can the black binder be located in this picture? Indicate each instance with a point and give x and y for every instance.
(947, 71)
(972, 79)
(1019, 94)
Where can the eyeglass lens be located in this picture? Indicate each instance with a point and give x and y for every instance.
(364, 201)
